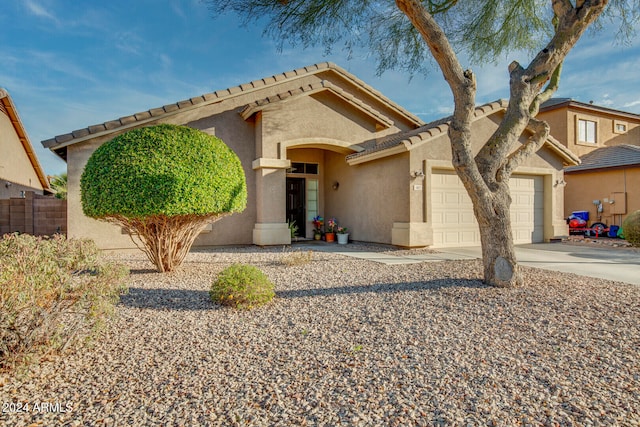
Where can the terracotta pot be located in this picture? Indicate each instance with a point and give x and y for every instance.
(331, 237)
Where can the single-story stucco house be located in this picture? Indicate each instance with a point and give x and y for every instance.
(319, 141)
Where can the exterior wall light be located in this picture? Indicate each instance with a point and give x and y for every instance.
(417, 174)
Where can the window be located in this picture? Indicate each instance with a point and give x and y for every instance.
(304, 168)
(312, 199)
(619, 126)
(586, 131)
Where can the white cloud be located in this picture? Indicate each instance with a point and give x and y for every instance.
(177, 9)
(129, 42)
(165, 60)
(38, 10)
(53, 62)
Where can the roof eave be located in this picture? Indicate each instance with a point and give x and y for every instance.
(124, 123)
(14, 117)
(590, 107)
(375, 155)
(567, 155)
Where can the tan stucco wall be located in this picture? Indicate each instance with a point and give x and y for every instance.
(15, 166)
(584, 187)
(371, 196)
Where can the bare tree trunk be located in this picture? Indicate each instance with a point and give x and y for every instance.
(498, 254)
(165, 240)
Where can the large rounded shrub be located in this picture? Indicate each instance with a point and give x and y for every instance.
(242, 286)
(164, 184)
(631, 228)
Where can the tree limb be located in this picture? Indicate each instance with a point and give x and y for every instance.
(526, 85)
(548, 92)
(541, 131)
(463, 87)
(561, 7)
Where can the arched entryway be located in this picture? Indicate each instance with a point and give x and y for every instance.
(313, 180)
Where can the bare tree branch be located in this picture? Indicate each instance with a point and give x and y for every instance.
(463, 86)
(540, 134)
(548, 92)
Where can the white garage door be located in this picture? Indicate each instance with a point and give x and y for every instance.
(455, 225)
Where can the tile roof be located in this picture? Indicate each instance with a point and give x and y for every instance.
(440, 127)
(8, 107)
(428, 131)
(555, 103)
(137, 119)
(609, 157)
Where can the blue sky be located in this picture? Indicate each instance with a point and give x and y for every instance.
(70, 64)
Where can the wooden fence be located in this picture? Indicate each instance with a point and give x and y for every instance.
(33, 214)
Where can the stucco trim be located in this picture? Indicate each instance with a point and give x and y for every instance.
(323, 86)
(331, 144)
(412, 234)
(351, 161)
(269, 234)
(569, 157)
(266, 163)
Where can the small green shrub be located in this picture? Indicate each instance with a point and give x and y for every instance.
(53, 293)
(631, 227)
(242, 286)
(291, 259)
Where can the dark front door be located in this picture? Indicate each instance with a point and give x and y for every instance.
(296, 204)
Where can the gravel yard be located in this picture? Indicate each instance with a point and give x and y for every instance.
(348, 342)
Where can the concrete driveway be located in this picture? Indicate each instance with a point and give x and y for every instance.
(619, 264)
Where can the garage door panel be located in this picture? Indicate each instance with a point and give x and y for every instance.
(468, 218)
(451, 218)
(451, 198)
(468, 238)
(452, 211)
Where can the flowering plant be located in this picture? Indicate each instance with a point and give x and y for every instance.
(318, 222)
(331, 225)
(342, 230)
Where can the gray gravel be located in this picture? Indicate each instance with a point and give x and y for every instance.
(349, 342)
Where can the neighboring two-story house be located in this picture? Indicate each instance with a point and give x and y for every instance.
(607, 182)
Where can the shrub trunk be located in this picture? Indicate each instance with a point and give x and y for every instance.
(166, 240)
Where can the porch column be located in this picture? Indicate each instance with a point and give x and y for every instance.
(271, 226)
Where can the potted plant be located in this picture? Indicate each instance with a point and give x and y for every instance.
(318, 222)
(330, 235)
(343, 235)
